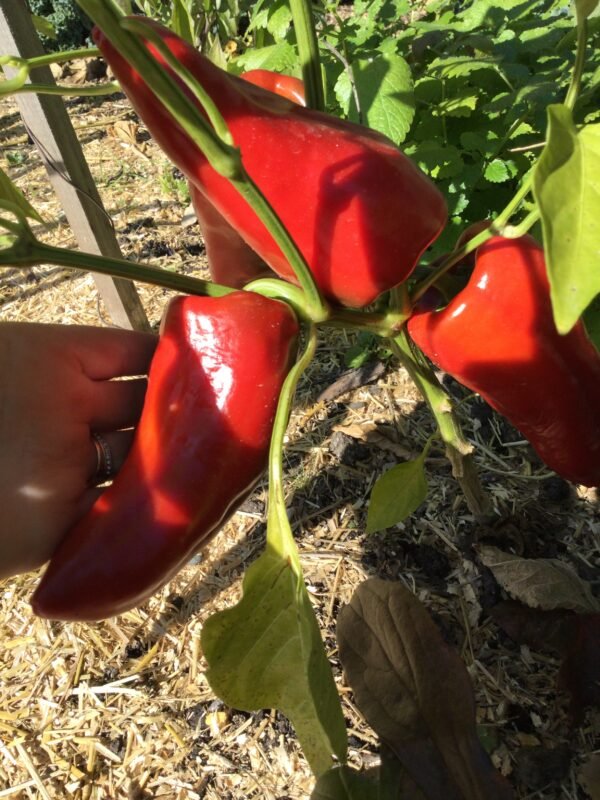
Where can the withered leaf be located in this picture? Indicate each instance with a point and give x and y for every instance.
(415, 693)
(540, 630)
(371, 432)
(573, 637)
(545, 583)
(589, 777)
(580, 671)
(353, 379)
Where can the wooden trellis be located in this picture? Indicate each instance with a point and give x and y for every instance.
(49, 125)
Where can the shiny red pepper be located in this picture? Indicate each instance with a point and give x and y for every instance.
(498, 338)
(359, 210)
(201, 445)
(231, 261)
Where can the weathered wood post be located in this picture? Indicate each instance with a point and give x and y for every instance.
(49, 125)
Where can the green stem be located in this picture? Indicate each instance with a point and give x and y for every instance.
(27, 251)
(385, 325)
(516, 231)
(277, 519)
(575, 85)
(65, 91)
(458, 449)
(24, 66)
(308, 50)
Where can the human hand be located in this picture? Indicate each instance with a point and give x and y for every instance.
(55, 391)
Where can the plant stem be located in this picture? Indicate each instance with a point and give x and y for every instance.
(65, 91)
(458, 449)
(28, 254)
(279, 532)
(575, 85)
(308, 50)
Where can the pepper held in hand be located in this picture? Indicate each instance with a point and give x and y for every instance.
(201, 445)
(358, 209)
(498, 338)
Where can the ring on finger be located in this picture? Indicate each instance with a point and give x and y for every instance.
(104, 458)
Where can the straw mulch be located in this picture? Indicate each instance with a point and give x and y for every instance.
(122, 709)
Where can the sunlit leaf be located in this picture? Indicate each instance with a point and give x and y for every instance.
(567, 190)
(397, 494)
(385, 90)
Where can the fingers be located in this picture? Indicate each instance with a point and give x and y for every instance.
(118, 444)
(116, 404)
(106, 353)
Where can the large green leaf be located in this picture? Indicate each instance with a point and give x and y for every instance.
(397, 493)
(566, 185)
(385, 90)
(279, 57)
(266, 652)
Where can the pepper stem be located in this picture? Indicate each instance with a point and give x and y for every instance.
(279, 532)
(27, 251)
(458, 449)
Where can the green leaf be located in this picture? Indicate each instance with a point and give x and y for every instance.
(12, 193)
(266, 652)
(459, 66)
(462, 104)
(280, 17)
(181, 21)
(385, 90)
(276, 57)
(436, 160)
(43, 26)
(566, 186)
(344, 783)
(396, 494)
(497, 171)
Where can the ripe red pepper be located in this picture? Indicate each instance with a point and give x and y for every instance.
(498, 338)
(201, 445)
(231, 261)
(359, 210)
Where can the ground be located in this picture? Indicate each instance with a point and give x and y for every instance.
(122, 708)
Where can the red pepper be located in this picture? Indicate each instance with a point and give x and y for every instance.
(201, 445)
(231, 261)
(360, 211)
(498, 338)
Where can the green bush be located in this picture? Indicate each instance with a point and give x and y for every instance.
(71, 25)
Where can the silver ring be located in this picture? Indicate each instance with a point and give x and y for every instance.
(104, 457)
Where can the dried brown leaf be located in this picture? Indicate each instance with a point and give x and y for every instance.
(589, 777)
(352, 379)
(545, 583)
(415, 693)
(370, 432)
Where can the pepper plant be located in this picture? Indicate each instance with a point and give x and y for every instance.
(245, 149)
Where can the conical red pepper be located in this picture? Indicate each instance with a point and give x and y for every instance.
(359, 210)
(498, 338)
(201, 445)
(231, 261)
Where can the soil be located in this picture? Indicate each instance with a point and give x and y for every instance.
(122, 709)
